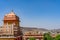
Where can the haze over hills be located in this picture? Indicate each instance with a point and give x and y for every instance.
(24, 29)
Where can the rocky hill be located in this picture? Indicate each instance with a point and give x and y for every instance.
(24, 29)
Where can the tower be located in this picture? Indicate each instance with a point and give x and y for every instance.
(11, 24)
(11, 18)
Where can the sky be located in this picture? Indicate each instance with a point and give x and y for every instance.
(33, 13)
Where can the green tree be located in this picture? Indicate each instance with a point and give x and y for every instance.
(32, 38)
(57, 37)
(47, 36)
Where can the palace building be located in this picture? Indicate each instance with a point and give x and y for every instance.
(11, 29)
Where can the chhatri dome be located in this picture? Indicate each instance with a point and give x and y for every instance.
(11, 16)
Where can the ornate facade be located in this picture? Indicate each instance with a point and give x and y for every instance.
(10, 28)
